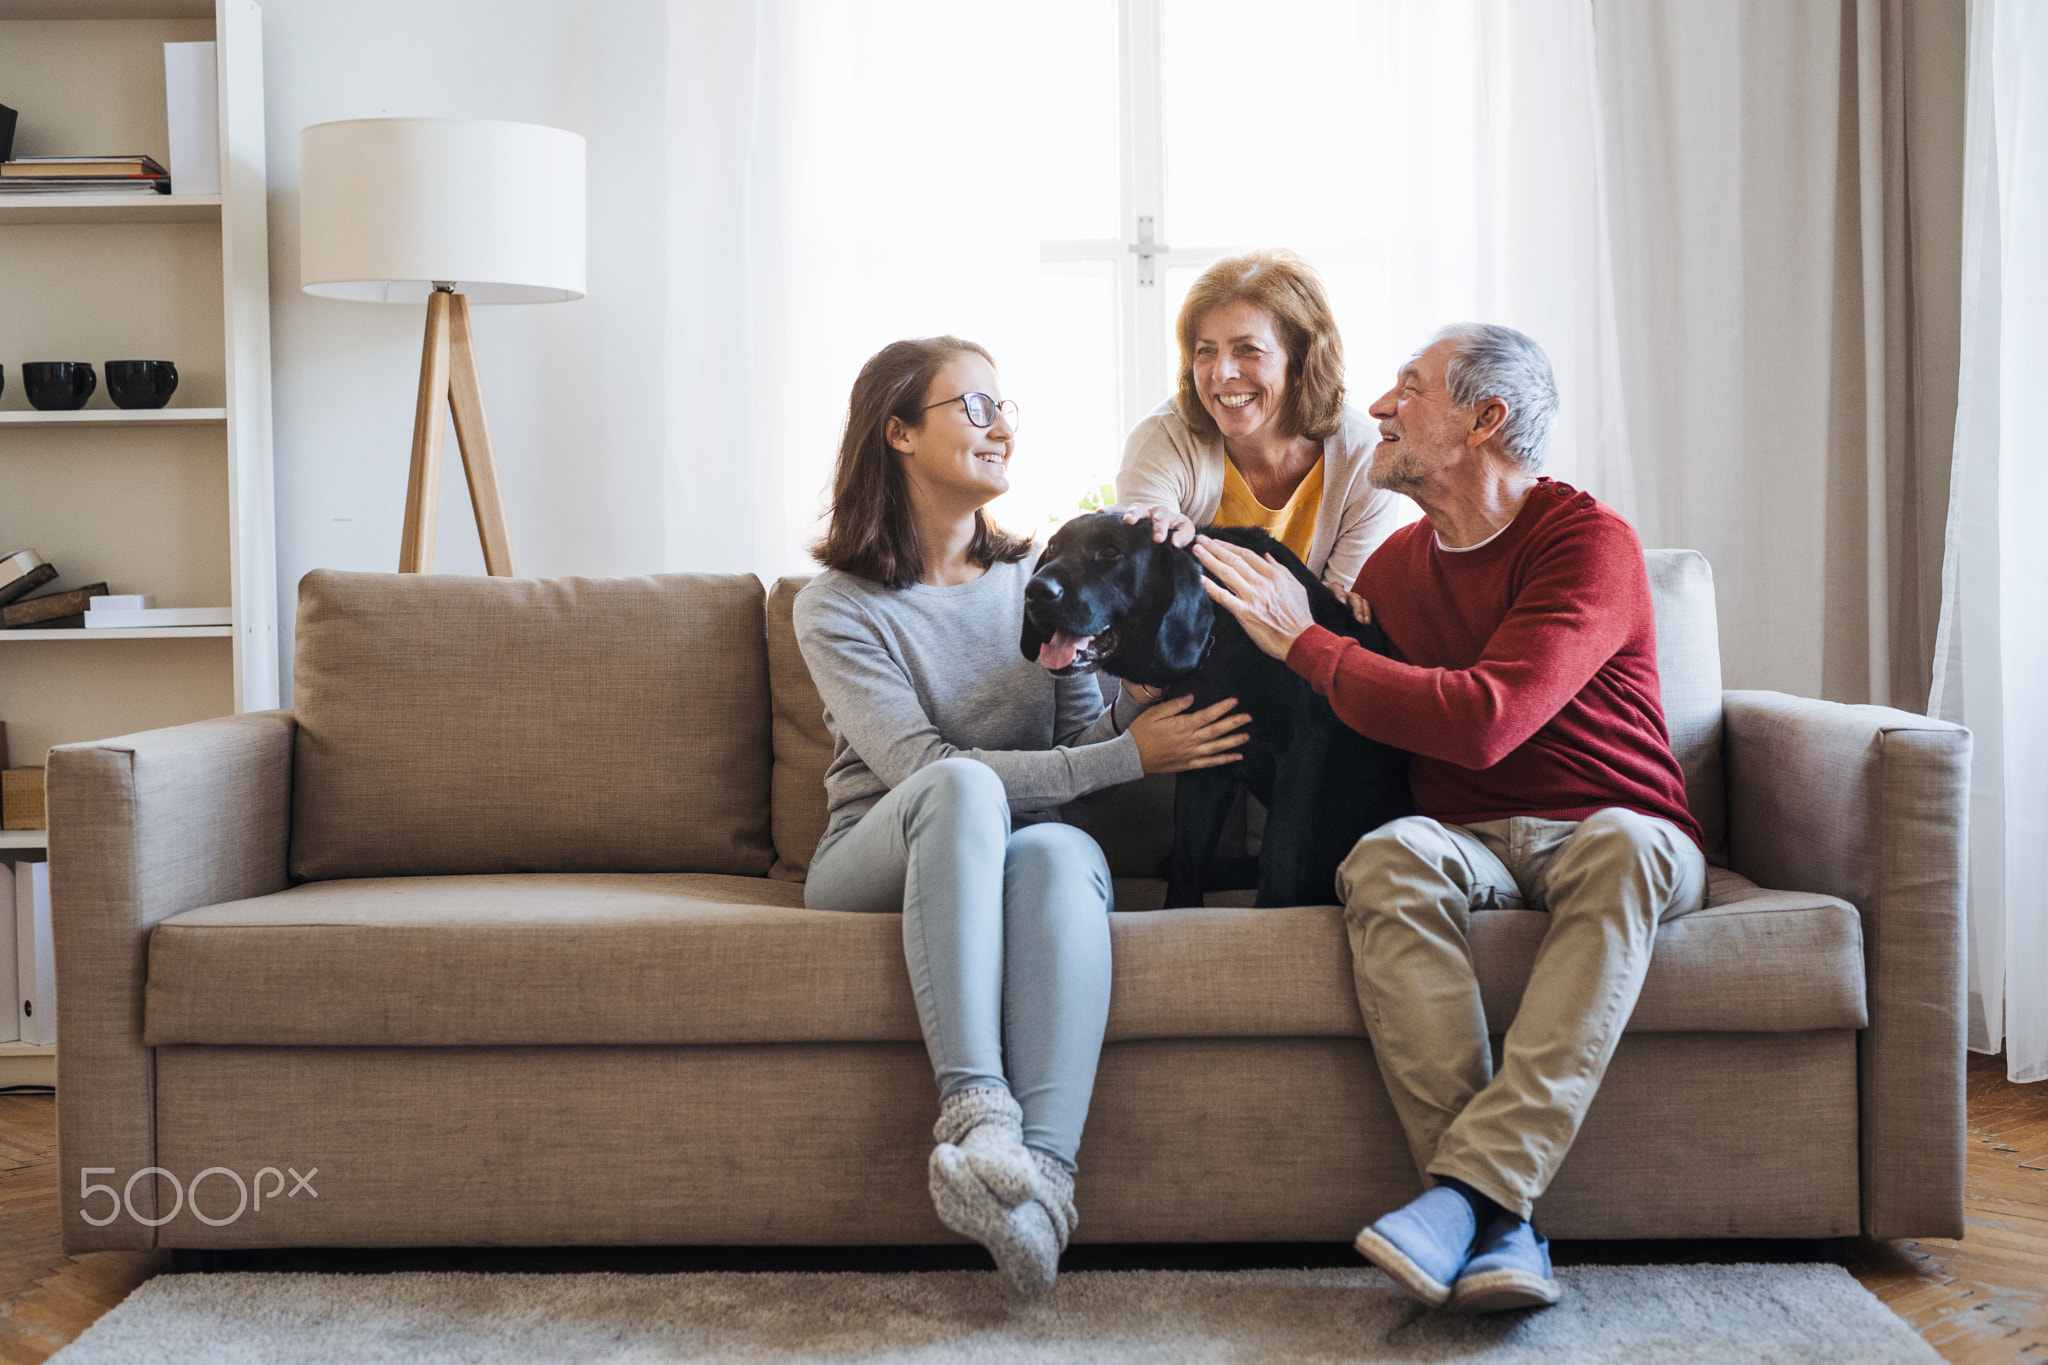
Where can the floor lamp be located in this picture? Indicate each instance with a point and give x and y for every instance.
(401, 210)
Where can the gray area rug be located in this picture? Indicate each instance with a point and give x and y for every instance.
(1627, 1315)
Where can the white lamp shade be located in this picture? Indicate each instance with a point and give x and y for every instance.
(389, 205)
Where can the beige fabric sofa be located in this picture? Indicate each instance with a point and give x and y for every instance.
(501, 933)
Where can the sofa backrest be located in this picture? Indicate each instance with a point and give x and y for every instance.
(1689, 674)
(451, 724)
(803, 746)
(1134, 822)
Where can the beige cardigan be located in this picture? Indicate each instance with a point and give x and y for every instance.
(1165, 463)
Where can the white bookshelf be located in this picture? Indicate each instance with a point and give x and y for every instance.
(137, 633)
(31, 420)
(112, 208)
(175, 502)
(27, 1064)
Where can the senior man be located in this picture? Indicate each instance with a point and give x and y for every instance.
(1526, 687)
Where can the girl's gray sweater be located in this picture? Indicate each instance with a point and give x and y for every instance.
(913, 675)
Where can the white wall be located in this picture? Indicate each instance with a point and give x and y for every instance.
(573, 389)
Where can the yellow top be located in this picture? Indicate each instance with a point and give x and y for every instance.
(1293, 525)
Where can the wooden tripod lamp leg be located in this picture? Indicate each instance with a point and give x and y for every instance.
(429, 423)
(473, 434)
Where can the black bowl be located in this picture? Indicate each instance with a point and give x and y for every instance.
(58, 385)
(141, 383)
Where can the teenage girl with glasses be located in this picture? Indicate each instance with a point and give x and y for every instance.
(952, 755)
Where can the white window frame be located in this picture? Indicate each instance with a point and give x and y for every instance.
(1140, 257)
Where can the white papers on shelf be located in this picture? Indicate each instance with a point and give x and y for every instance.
(35, 963)
(10, 1023)
(98, 619)
(192, 102)
(134, 601)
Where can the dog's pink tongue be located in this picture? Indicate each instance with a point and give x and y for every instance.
(1059, 652)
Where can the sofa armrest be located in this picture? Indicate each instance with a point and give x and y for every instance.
(141, 828)
(1871, 805)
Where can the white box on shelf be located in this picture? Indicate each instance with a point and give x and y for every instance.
(192, 103)
(10, 1027)
(134, 601)
(35, 963)
(159, 616)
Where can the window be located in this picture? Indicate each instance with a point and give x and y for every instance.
(1014, 172)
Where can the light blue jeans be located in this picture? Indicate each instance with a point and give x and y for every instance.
(1006, 934)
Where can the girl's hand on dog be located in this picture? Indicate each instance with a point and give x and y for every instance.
(1141, 694)
(1173, 739)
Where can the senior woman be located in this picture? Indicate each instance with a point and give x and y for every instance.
(951, 755)
(1258, 432)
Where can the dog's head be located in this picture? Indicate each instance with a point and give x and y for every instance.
(1106, 595)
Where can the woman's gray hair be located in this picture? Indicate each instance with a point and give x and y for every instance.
(1499, 362)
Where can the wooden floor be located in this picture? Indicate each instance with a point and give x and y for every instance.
(1979, 1300)
(1985, 1297)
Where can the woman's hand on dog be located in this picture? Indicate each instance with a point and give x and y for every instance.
(1173, 739)
(1361, 610)
(1267, 600)
(1166, 521)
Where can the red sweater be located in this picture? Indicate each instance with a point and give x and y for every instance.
(1526, 676)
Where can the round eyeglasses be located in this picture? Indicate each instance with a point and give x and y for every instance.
(981, 409)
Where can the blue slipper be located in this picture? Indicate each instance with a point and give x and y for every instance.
(1509, 1269)
(1424, 1243)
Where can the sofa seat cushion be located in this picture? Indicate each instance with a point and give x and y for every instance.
(518, 958)
(667, 958)
(1752, 961)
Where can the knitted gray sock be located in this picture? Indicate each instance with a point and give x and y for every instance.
(988, 1127)
(1054, 1192)
(1022, 1239)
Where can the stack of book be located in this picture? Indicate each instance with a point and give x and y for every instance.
(138, 611)
(64, 606)
(22, 572)
(137, 174)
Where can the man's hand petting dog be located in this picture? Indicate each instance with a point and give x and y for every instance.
(1267, 600)
(1173, 739)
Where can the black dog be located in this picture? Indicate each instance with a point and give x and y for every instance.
(1106, 596)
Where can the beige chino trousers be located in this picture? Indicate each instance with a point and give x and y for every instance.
(1409, 888)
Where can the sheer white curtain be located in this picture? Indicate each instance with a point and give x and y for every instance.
(1992, 652)
(1783, 211)
(846, 172)
(1436, 160)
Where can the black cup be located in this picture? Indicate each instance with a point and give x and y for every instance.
(58, 385)
(141, 383)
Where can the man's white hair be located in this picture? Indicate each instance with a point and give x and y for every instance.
(1499, 362)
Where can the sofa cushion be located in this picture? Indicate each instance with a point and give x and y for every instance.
(1689, 677)
(803, 746)
(618, 958)
(451, 724)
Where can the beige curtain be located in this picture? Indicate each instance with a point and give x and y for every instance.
(1784, 197)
